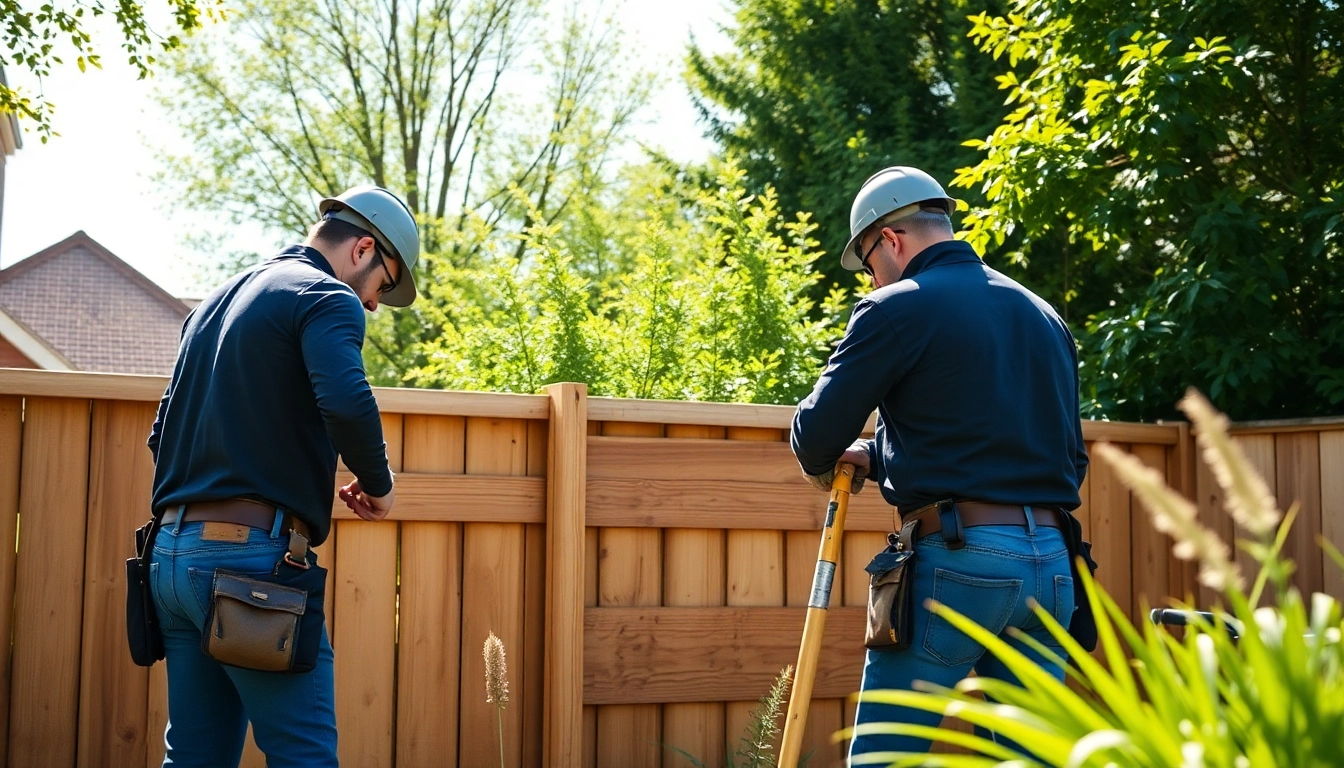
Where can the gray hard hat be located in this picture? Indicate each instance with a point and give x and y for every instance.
(383, 215)
(895, 192)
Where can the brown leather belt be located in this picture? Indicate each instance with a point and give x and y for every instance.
(253, 514)
(975, 513)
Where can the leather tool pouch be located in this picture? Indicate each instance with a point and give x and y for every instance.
(271, 623)
(142, 622)
(890, 597)
(1083, 625)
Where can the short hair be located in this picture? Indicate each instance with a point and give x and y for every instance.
(924, 222)
(335, 232)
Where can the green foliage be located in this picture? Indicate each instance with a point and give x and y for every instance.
(33, 40)
(1275, 697)
(713, 305)
(816, 96)
(1174, 167)
(756, 747)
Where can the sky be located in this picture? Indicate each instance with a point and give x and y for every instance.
(97, 175)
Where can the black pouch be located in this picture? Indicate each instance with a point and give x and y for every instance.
(890, 597)
(1083, 625)
(142, 622)
(271, 623)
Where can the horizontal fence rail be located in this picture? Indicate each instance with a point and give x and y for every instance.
(647, 565)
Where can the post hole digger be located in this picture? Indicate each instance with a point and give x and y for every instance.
(814, 627)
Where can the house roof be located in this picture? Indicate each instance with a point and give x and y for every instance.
(92, 309)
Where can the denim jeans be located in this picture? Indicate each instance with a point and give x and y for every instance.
(990, 581)
(209, 704)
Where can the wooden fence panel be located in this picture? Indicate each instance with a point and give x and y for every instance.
(1149, 547)
(11, 450)
(114, 692)
(1332, 506)
(430, 606)
(492, 595)
(1111, 523)
(1259, 450)
(1297, 461)
(535, 572)
(49, 584)
(365, 639)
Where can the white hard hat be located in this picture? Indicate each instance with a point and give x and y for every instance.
(383, 215)
(899, 190)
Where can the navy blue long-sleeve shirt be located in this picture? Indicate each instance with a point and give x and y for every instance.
(268, 387)
(975, 380)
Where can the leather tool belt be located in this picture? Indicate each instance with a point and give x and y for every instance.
(253, 514)
(949, 517)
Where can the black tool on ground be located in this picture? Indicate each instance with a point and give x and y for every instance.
(1174, 617)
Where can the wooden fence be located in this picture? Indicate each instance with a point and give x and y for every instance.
(646, 564)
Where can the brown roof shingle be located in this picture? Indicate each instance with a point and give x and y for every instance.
(94, 309)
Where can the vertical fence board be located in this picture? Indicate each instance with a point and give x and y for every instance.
(11, 446)
(693, 575)
(157, 716)
(48, 608)
(630, 574)
(1209, 501)
(1260, 451)
(366, 601)
(1111, 524)
(536, 567)
(114, 692)
(430, 605)
(1150, 564)
(1181, 477)
(492, 595)
(755, 573)
(1298, 470)
(1332, 506)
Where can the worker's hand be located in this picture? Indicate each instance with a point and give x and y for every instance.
(857, 456)
(371, 508)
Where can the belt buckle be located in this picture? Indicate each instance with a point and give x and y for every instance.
(950, 521)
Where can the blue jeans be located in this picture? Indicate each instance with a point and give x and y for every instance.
(989, 581)
(209, 704)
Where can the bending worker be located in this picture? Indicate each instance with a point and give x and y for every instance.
(975, 381)
(269, 387)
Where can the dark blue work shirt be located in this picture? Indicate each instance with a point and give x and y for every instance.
(269, 385)
(975, 380)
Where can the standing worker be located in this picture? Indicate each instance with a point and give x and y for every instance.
(268, 388)
(975, 380)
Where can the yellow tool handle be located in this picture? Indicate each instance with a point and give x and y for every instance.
(814, 627)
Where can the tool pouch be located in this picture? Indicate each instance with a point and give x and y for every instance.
(142, 622)
(271, 623)
(1083, 625)
(890, 597)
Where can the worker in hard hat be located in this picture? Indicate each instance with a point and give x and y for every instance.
(978, 444)
(269, 388)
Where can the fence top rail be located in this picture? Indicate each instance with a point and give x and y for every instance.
(1318, 424)
(121, 386)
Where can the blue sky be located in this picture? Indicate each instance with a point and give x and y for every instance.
(96, 176)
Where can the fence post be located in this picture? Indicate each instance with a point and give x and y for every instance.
(566, 481)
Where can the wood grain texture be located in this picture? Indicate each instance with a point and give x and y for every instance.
(48, 602)
(693, 575)
(11, 450)
(1332, 505)
(571, 583)
(114, 692)
(1298, 467)
(157, 717)
(365, 632)
(743, 504)
(430, 605)
(536, 576)
(1259, 449)
(1111, 524)
(698, 654)
(461, 499)
(492, 595)
(1151, 561)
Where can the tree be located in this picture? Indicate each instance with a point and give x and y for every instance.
(818, 95)
(471, 110)
(714, 306)
(1185, 154)
(34, 41)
